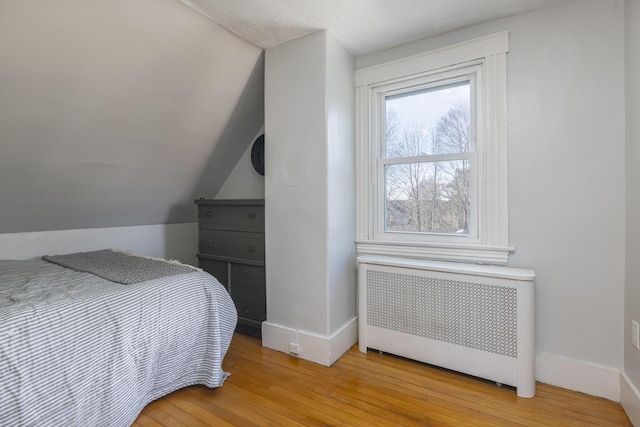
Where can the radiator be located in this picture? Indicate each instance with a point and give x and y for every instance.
(478, 320)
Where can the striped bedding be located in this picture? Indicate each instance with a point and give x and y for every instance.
(79, 350)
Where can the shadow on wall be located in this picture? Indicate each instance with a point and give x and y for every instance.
(246, 121)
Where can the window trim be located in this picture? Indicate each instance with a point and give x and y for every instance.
(492, 243)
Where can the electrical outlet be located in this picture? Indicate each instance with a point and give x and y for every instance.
(294, 348)
(635, 334)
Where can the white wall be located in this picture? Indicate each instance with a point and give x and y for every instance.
(243, 181)
(309, 198)
(170, 241)
(566, 173)
(566, 154)
(632, 290)
(632, 297)
(341, 251)
(296, 184)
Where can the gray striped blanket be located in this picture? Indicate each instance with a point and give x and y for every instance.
(79, 350)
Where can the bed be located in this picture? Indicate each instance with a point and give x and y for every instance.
(83, 347)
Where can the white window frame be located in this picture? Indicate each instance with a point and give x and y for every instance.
(463, 72)
(483, 60)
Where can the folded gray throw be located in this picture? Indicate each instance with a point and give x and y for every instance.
(120, 267)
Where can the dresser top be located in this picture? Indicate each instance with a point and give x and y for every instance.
(227, 202)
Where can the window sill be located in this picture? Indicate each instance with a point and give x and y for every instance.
(475, 254)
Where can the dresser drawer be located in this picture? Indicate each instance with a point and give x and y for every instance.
(232, 244)
(241, 296)
(251, 311)
(243, 271)
(248, 284)
(236, 218)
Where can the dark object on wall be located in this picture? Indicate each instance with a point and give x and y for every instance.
(257, 155)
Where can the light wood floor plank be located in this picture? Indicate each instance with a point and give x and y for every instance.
(182, 400)
(269, 388)
(267, 399)
(480, 396)
(168, 407)
(164, 418)
(146, 421)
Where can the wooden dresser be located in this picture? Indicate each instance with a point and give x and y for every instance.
(231, 248)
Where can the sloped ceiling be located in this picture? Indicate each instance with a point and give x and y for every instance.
(363, 26)
(120, 112)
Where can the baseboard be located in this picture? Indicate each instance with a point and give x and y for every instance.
(584, 377)
(630, 399)
(577, 375)
(315, 348)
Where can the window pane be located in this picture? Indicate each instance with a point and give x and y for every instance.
(428, 197)
(428, 121)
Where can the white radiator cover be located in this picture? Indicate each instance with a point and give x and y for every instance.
(474, 319)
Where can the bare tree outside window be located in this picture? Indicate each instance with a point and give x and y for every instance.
(427, 189)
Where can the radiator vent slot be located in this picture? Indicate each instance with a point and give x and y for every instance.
(468, 314)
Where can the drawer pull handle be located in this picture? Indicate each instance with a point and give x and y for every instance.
(252, 215)
(252, 249)
(209, 213)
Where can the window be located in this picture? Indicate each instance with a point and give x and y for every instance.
(427, 159)
(432, 155)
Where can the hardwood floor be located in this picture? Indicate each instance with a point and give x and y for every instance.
(269, 388)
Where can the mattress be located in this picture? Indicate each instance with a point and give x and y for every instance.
(77, 349)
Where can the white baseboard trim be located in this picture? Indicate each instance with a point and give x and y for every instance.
(315, 348)
(630, 399)
(577, 375)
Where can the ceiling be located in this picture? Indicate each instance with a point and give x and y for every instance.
(363, 26)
